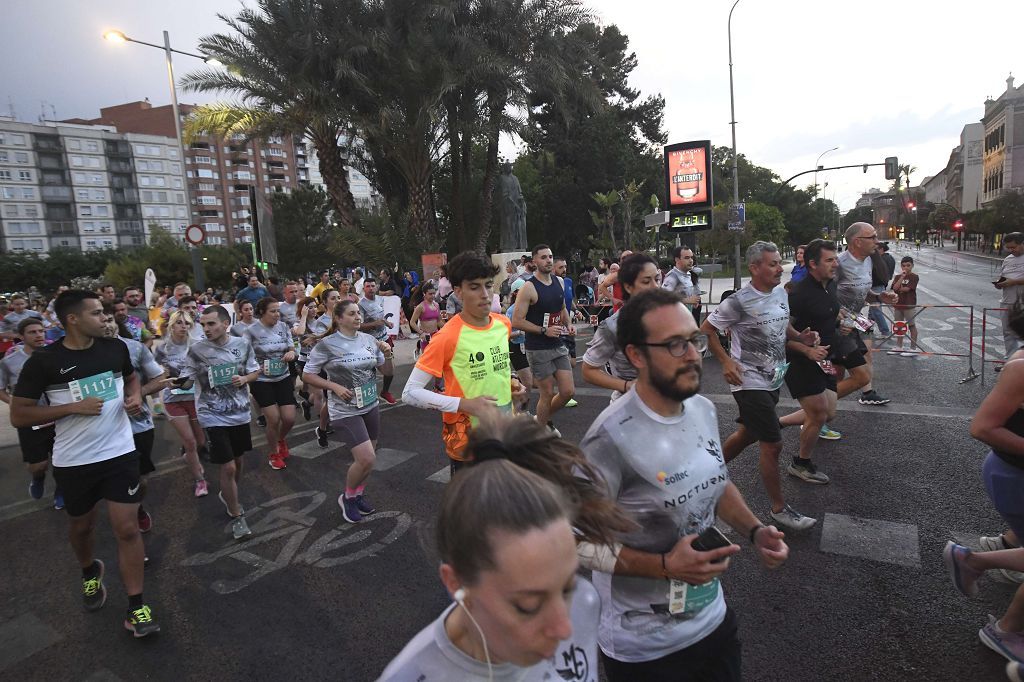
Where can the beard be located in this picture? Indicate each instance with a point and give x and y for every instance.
(665, 383)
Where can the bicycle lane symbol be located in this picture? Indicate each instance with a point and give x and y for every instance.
(280, 520)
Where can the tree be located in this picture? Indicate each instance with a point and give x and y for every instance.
(302, 227)
(1006, 214)
(47, 272)
(605, 216)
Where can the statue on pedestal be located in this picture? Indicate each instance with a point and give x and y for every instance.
(511, 211)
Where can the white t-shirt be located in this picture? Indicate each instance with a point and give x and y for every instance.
(757, 324)
(431, 657)
(1012, 268)
(853, 281)
(668, 473)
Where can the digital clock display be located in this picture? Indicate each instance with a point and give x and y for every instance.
(697, 221)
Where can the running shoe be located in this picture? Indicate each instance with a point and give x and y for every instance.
(909, 354)
(261, 421)
(94, 594)
(282, 449)
(965, 578)
(307, 409)
(388, 398)
(364, 506)
(349, 509)
(993, 543)
(894, 351)
(35, 488)
(1014, 671)
(1009, 645)
(58, 499)
(220, 496)
(239, 528)
(556, 432)
(792, 519)
(872, 398)
(200, 489)
(571, 402)
(827, 433)
(321, 437)
(140, 622)
(145, 520)
(329, 431)
(277, 462)
(805, 470)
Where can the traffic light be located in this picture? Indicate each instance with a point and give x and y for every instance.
(911, 205)
(892, 168)
(958, 226)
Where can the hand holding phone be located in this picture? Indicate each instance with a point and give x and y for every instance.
(710, 539)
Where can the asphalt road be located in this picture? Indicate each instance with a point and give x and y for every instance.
(864, 595)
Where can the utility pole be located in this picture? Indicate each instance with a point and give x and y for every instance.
(735, 160)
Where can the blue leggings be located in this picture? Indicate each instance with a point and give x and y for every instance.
(1005, 485)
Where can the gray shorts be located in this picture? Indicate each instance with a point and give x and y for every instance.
(544, 363)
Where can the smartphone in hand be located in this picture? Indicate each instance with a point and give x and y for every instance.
(710, 539)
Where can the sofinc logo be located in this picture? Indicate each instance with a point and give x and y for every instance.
(674, 478)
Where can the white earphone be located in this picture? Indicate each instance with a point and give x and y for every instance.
(460, 599)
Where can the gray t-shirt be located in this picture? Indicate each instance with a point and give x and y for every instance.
(238, 328)
(1012, 268)
(668, 473)
(853, 281)
(224, 405)
(603, 350)
(12, 320)
(148, 369)
(10, 368)
(431, 657)
(373, 311)
(288, 313)
(350, 362)
(172, 356)
(757, 324)
(453, 306)
(270, 343)
(680, 282)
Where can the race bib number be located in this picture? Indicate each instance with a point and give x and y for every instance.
(686, 598)
(779, 377)
(828, 368)
(97, 386)
(220, 375)
(274, 368)
(365, 394)
(191, 390)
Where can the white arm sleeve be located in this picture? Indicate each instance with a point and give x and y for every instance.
(417, 394)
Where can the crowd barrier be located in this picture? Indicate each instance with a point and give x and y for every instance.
(899, 329)
(984, 329)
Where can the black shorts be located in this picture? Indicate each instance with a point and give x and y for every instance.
(757, 414)
(144, 446)
(267, 393)
(716, 657)
(806, 378)
(116, 480)
(36, 444)
(517, 356)
(228, 442)
(852, 360)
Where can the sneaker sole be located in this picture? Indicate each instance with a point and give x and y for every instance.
(830, 437)
(793, 471)
(345, 515)
(995, 646)
(790, 526)
(139, 635)
(103, 590)
(277, 466)
(873, 402)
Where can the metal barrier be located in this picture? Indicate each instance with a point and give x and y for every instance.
(878, 345)
(984, 330)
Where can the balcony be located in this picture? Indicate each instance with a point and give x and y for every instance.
(54, 179)
(45, 143)
(64, 241)
(52, 161)
(129, 227)
(125, 196)
(200, 145)
(58, 212)
(122, 182)
(126, 212)
(61, 227)
(209, 214)
(56, 194)
(119, 166)
(117, 148)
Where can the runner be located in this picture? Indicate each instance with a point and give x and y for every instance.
(757, 320)
(179, 403)
(90, 388)
(319, 328)
(426, 317)
(143, 428)
(517, 352)
(471, 354)
(19, 311)
(376, 325)
(220, 367)
(681, 278)
(323, 286)
(349, 358)
(36, 442)
(345, 289)
(604, 363)
(506, 536)
(663, 614)
(305, 339)
(246, 319)
(540, 312)
(274, 389)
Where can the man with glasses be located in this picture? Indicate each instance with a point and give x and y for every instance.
(657, 450)
(757, 319)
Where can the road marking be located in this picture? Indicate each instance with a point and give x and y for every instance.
(312, 449)
(24, 636)
(887, 541)
(441, 475)
(939, 297)
(389, 457)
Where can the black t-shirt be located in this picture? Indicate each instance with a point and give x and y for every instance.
(815, 306)
(52, 370)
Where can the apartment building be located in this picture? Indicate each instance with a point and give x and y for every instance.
(1003, 155)
(86, 187)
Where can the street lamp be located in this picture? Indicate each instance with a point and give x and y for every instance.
(114, 36)
(817, 165)
(735, 161)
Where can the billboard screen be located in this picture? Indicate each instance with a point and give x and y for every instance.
(688, 176)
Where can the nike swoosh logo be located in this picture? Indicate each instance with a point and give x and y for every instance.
(132, 491)
(65, 371)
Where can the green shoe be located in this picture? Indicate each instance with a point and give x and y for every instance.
(571, 403)
(829, 434)
(94, 594)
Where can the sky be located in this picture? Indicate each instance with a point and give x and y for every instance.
(875, 78)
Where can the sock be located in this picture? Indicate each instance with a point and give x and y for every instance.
(359, 490)
(798, 462)
(1007, 545)
(134, 601)
(92, 572)
(350, 493)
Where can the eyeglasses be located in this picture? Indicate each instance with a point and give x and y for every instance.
(677, 347)
(873, 236)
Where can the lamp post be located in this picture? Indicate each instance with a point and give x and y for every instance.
(119, 37)
(735, 161)
(817, 165)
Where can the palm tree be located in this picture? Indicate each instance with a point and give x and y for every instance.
(606, 218)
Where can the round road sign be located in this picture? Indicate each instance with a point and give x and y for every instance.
(195, 234)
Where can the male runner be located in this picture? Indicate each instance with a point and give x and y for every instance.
(681, 278)
(757, 319)
(376, 325)
(18, 311)
(323, 285)
(136, 306)
(135, 326)
(291, 295)
(90, 388)
(37, 441)
(540, 312)
(470, 353)
(220, 366)
(663, 614)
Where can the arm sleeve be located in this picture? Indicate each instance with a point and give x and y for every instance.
(190, 368)
(725, 315)
(671, 281)
(602, 347)
(417, 394)
(315, 361)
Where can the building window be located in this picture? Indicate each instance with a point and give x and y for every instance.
(3, 157)
(204, 173)
(82, 194)
(102, 211)
(21, 157)
(11, 211)
(86, 210)
(31, 211)
(97, 179)
(77, 161)
(99, 195)
(18, 140)
(92, 146)
(206, 187)
(25, 176)
(74, 145)
(94, 162)
(28, 193)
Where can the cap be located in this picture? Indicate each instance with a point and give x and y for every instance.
(518, 284)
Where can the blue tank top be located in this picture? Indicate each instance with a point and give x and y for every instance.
(550, 300)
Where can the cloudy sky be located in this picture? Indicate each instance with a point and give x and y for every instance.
(876, 78)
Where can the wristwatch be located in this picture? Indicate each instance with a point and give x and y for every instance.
(543, 330)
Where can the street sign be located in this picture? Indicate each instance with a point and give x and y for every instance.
(655, 219)
(195, 234)
(737, 217)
